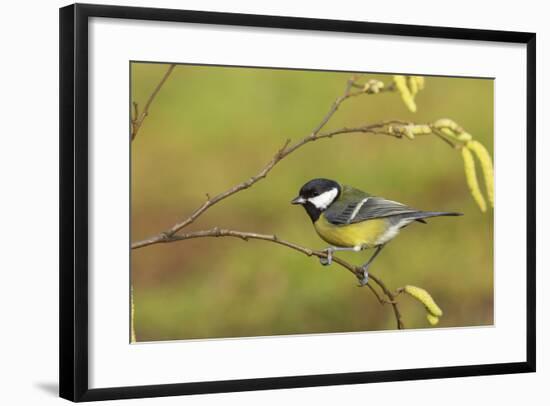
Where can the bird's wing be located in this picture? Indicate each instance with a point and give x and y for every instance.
(341, 210)
(367, 208)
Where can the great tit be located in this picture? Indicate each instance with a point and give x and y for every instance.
(352, 220)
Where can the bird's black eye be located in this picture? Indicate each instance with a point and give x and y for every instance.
(315, 194)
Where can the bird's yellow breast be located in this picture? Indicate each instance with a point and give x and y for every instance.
(363, 234)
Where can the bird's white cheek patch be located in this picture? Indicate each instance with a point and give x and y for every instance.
(324, 199)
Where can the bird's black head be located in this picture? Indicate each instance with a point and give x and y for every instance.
(317, 195)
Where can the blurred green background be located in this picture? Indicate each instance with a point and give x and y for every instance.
(213, 127)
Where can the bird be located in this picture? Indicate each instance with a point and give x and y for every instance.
(352, 220)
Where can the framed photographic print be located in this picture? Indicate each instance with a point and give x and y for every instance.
(256, 202)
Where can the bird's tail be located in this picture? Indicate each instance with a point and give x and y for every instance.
(421, 215)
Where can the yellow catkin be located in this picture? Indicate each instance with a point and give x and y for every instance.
(413, 85)
(433, 320)
(373, 86)
(421, 129)
(486, 167)
(409, 132)
(419, 82)
(401, 85)
(447, 123)
(425, 298)
(471, 178)
(447, 132)
(464, 136)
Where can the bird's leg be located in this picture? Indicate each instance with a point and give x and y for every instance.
(365, 267)
(330, 251)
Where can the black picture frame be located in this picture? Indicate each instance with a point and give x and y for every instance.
(74, 170)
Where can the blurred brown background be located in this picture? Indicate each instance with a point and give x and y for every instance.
(213, 127)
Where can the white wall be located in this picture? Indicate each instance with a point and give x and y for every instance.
(28, 207)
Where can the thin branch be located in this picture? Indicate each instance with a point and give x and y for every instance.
(387, 88)
(392, 301)
(220, 232)
(138, 119)
(347, 94)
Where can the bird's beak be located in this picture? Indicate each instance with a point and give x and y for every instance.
(298, 200)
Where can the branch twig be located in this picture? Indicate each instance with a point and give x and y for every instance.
(220, 232)
(138, 119)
